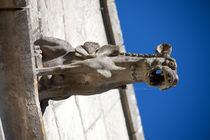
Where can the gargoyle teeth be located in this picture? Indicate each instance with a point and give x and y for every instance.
(128, 54)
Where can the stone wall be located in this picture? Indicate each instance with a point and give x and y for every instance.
(108, 116)
(80, 117)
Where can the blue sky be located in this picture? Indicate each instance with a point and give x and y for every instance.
(183, 112)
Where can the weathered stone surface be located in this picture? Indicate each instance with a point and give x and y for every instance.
(90, 109)
(115, 123)
(97, 131)
(83, 22)
(18, 86)
(108, 99)
(68, 120)
(34, 21)
(51, 18)
(50, 124)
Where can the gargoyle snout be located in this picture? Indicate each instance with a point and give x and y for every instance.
(175, 81)
(171, 78)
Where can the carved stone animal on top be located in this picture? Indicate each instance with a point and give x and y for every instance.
(90, 69)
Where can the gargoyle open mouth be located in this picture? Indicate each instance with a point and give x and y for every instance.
(156, 77)
(160, 78)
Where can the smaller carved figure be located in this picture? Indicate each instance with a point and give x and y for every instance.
(90, 69)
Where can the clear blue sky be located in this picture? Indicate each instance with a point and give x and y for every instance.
(183, 112)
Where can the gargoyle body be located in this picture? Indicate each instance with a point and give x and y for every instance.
(90, 69)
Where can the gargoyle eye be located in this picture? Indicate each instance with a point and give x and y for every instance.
(171, 64)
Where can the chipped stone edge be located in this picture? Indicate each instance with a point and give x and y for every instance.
(128, 98)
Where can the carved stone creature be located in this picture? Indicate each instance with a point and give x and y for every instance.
(90, 69)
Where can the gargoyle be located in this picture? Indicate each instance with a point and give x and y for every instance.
(90, 69)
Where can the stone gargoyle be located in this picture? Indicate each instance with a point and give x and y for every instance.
(90, 69)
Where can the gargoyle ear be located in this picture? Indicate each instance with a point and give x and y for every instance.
(163, 49)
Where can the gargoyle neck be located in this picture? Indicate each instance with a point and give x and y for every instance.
(135, 69)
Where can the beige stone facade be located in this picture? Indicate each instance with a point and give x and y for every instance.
(108, 116)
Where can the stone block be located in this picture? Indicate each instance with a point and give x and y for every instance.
(51, 18)
(68, 120)
(115, 123)
(90, 109)
(108, 99)
(34, 20)
(97, 131)
(83, 22)
(51, 128)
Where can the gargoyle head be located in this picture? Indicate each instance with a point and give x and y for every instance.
(162, 71)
